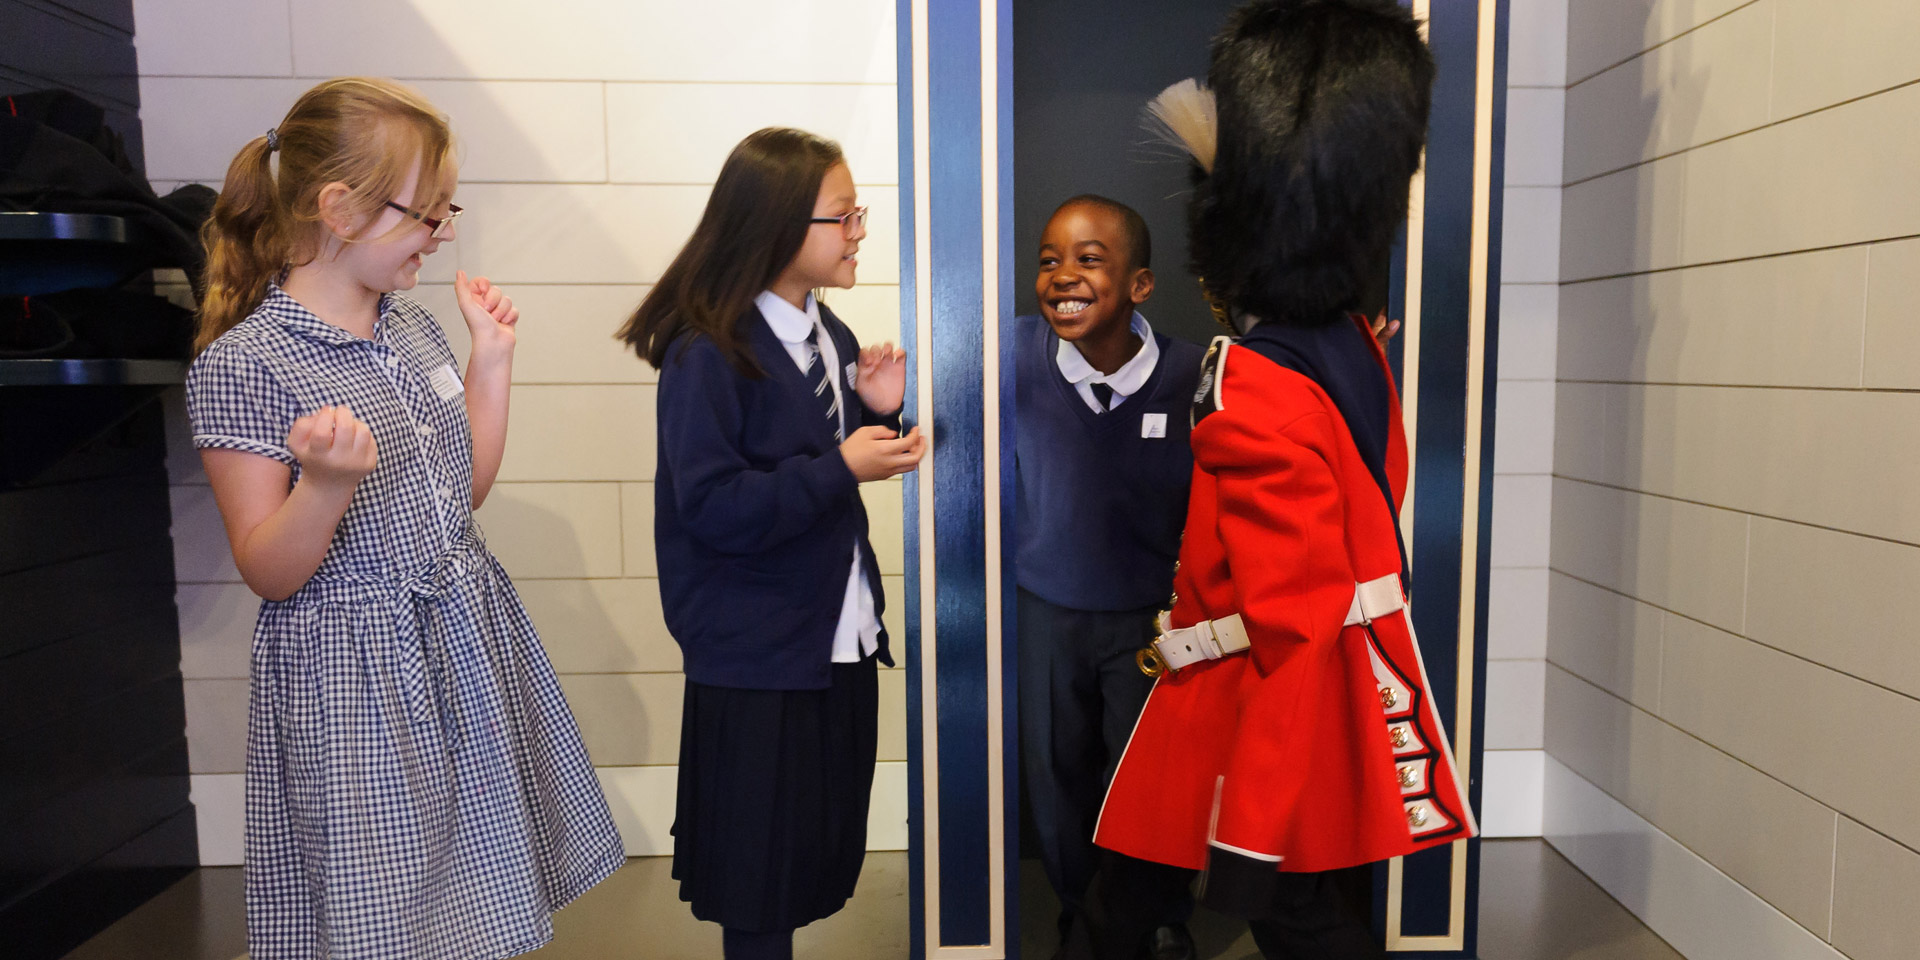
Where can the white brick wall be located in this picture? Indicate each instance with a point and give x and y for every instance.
(1734, 547)
(1524, 419)
(590, 131)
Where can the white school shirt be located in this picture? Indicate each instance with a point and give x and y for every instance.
(1124, 382)
(857, 635)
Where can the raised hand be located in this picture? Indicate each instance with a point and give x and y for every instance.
(489, 312)
(334, 448)
(1384, 329)
(882, 382)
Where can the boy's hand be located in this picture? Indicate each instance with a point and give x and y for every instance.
(1384, 329)
(882, 380)
(489, 312)
(333, 447)
(876, 453)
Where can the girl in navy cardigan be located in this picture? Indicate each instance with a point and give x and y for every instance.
(770, 416)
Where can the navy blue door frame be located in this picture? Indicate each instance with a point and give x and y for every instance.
(956, 299)
(957, 282)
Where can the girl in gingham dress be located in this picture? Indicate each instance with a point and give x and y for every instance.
(416, 786)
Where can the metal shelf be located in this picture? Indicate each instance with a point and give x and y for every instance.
(77, 373)
(43, 253)
(43, 417)
(86, 227)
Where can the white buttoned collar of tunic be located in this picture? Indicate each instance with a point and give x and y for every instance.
(1124, 382)
(857, 635)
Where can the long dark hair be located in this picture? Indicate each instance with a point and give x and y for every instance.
(753, 227)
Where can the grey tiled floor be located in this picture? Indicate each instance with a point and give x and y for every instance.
(1533, 906)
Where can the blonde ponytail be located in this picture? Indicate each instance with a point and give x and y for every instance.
(367, 133)
(246, 243)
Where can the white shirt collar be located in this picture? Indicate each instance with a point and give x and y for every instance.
(790, 323)
(1125, 381)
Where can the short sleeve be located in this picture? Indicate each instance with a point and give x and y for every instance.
(235, 403)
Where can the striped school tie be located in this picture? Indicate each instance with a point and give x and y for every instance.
(817, 375)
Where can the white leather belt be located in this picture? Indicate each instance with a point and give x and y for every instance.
(1376, 598)
(1206, 640)
(1181, 647)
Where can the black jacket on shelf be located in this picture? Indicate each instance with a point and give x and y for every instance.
(57, 155)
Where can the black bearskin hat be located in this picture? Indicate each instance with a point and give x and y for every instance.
(1321, 118)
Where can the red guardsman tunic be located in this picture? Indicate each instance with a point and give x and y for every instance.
(1319, 747)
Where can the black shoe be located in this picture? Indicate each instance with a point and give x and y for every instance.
(1171, 942)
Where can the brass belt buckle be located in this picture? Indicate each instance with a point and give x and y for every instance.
(1148, 658)
(1150, 662)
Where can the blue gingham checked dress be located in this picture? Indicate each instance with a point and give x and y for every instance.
(416, 786)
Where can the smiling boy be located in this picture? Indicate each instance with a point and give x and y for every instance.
(1103, 471)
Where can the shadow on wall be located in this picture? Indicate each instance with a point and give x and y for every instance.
(1629, 339)
(1610, 329)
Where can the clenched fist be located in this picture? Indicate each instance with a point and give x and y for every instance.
(489, 312)
(333, 447)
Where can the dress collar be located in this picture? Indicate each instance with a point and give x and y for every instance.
(296, 318)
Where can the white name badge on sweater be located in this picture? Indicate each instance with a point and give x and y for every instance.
(1153, 425)
(447, 383)
(853, 375)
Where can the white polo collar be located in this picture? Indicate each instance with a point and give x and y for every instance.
(1125, 381)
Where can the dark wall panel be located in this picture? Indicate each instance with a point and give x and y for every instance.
(94, 815)
(87, 599)
(81, 45)
(53, 524)
(115, 14)
(54, 919)
(93, 756)
(47, 764)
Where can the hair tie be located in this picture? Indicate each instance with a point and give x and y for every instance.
(273, 140)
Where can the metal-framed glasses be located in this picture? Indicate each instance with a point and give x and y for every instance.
(851, 223)
(442, 227)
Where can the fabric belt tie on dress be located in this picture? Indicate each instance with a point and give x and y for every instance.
(1180, 647)
(422, 655)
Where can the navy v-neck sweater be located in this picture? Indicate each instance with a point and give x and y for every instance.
(1101, 506)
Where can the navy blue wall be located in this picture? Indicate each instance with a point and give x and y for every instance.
(1081, 74)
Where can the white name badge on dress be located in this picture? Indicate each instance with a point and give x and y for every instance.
(447, 383)
(1153, 425)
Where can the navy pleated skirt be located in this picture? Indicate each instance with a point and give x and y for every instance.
(770, 829)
